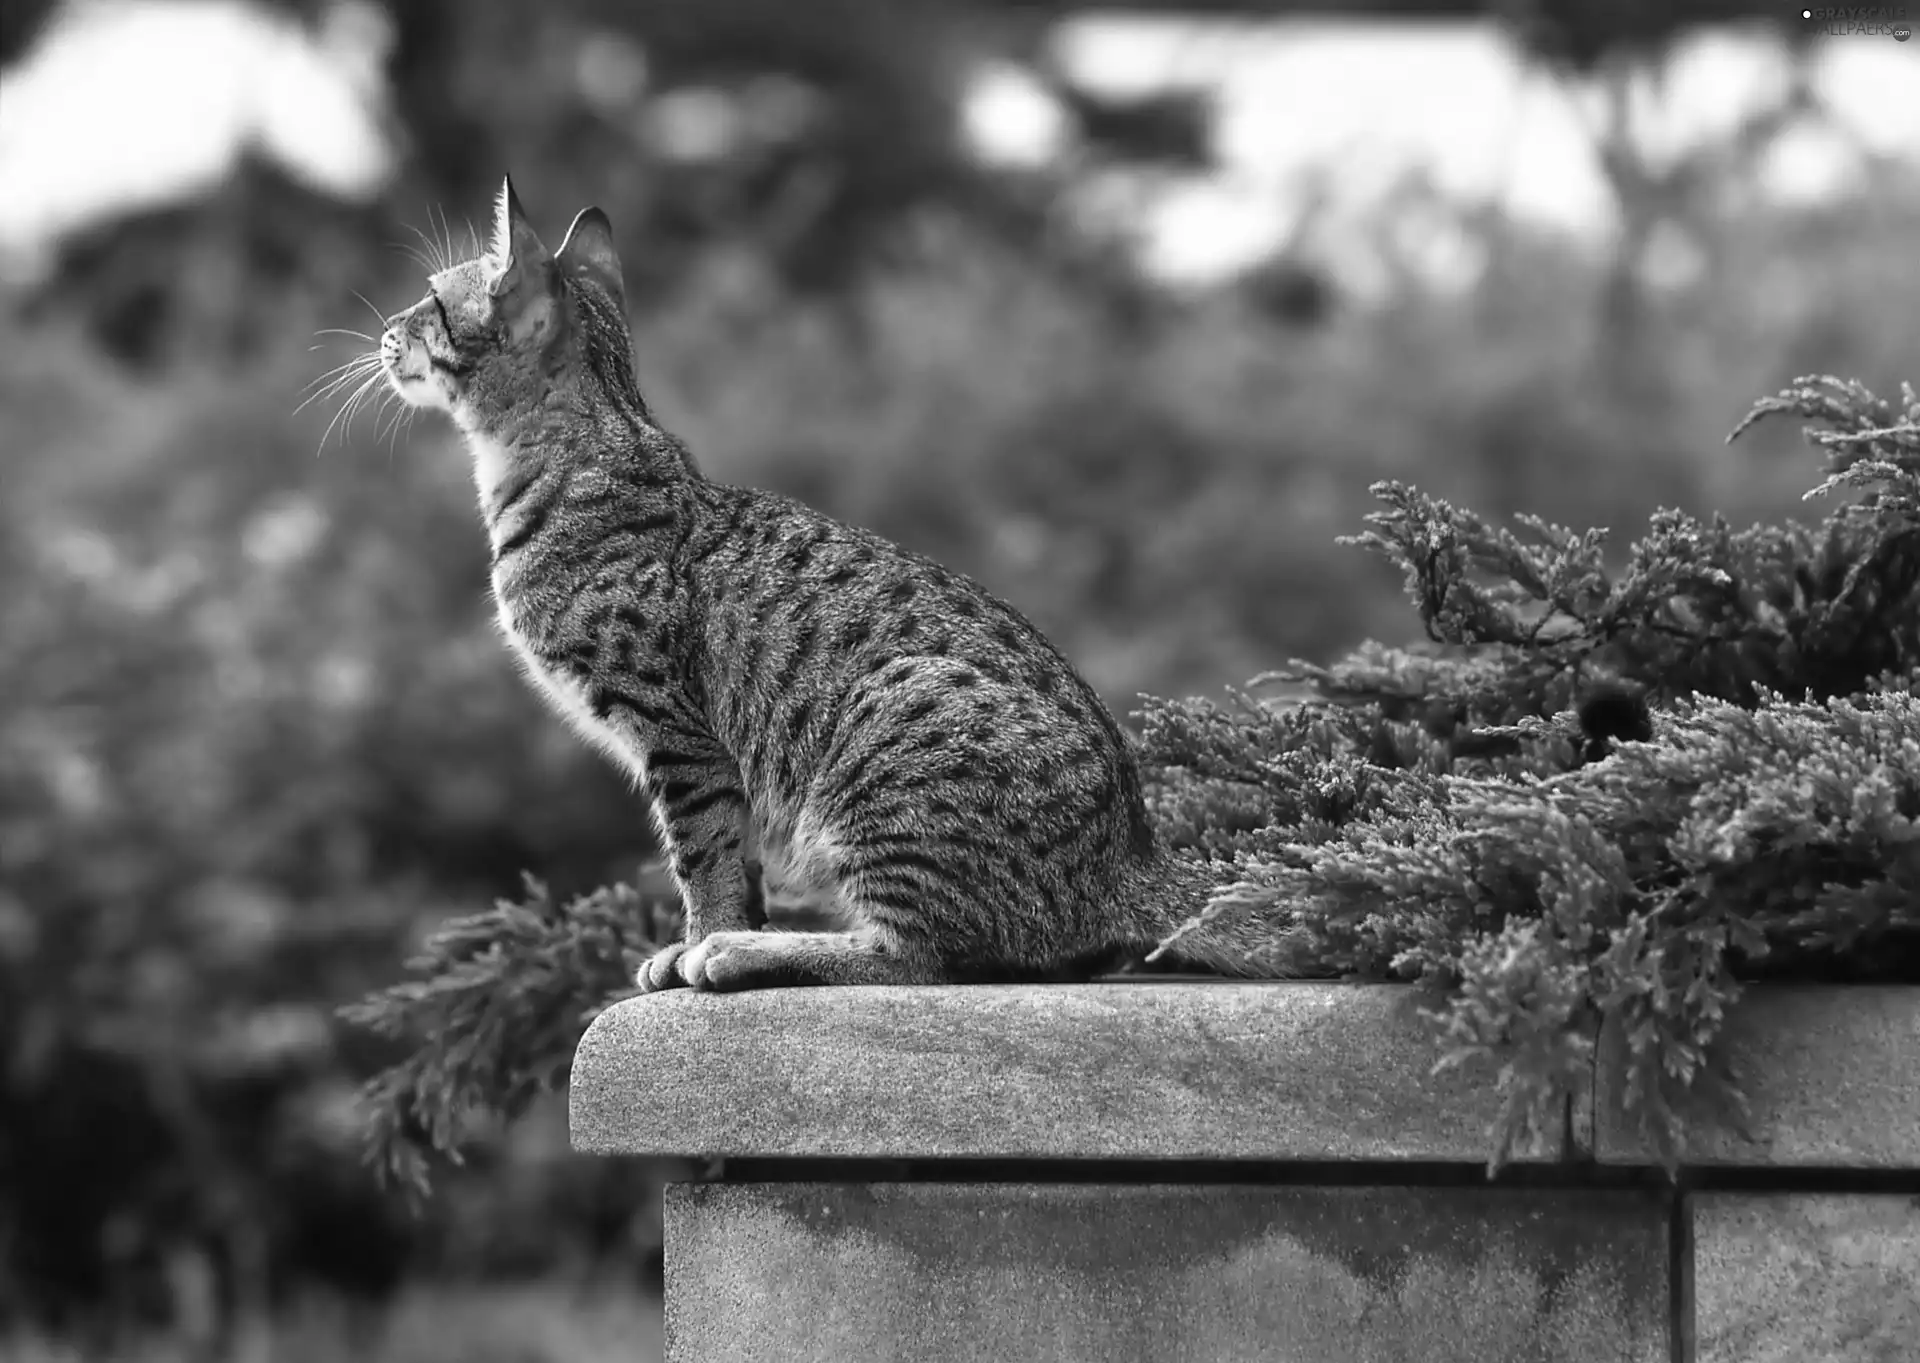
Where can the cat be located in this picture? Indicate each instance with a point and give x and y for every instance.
(807, 707)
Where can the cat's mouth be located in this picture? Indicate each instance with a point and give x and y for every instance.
(409, 369)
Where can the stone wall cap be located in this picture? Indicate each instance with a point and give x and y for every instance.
(1831, 1075)
(1155, 1070)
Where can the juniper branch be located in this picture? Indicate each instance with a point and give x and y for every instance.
(495, 1006)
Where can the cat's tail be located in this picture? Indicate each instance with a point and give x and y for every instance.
(1190, 911)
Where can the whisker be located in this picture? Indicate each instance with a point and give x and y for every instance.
(446, 232)
(403, 416)
(346, 331)
(332, 388)
(329, 384)
(432, 240)
(343, 419)
(413, 253)
(385, 415)
(394, 421)
(357, 362)
(338, 376)
(321, 444)
(363, 357)
(328, 432)
(406, 424)
(379, 316)
(375, 390)
(370, 394)
(433, 262)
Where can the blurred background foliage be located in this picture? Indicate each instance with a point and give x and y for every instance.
(257, 734)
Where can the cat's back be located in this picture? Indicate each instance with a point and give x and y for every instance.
(832, 601)
(832, 656)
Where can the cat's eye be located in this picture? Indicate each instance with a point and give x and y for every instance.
(446, 320)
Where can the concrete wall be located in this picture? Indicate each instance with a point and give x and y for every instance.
(1248, 1171)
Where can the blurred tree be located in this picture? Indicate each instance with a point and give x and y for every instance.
(1584, 34)
(21, 22)
(806, 134)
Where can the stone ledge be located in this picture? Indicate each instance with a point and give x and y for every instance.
(1103, 1273)
(1805, 1277)
(1144, 1071)
(1831, 1074)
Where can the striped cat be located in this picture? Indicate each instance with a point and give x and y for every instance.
(811, 711)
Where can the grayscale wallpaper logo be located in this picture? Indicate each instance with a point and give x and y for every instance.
(1861, 21)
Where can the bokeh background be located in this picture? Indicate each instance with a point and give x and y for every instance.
(1119, 309)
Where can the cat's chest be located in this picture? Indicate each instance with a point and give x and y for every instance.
(567, 696)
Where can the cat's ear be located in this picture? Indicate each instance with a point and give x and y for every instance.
(588, 251)
(517, 256)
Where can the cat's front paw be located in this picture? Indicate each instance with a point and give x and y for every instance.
(729, 960)
(664, 969)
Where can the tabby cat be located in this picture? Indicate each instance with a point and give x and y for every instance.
(810, 710)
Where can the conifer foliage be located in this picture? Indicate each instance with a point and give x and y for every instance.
(497, 1003)
(1495, 813)
(1592, 791)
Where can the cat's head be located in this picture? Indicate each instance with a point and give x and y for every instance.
(501, 335)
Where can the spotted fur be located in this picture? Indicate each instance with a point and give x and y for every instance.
(807, 707)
